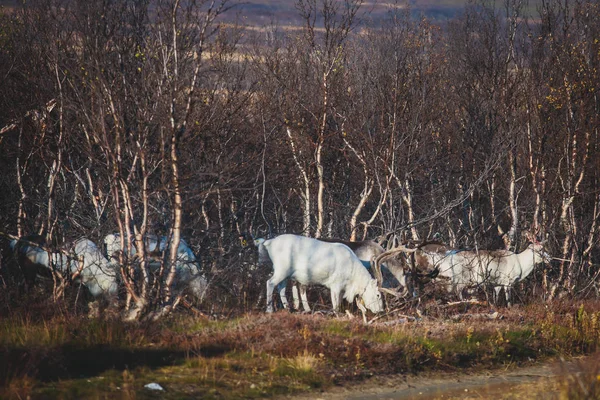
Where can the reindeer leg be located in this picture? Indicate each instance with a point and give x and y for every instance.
(305, 304)
(271, 283)
(270, 287)
(362, 309)
(281, 289)
(335, 300)
(296, 296)
(497, 290)
(461, 289)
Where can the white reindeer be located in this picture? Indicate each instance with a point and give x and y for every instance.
(95, 272)
(188, 273)
(99, 275)
(463, 268)
(310, 261)
(366, 251)
(502, 269)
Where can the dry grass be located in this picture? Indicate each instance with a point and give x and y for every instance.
(582, 381)
(258, 355)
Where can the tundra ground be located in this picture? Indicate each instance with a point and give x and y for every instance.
(56, 354)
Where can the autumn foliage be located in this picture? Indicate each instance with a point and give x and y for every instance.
(165, 117)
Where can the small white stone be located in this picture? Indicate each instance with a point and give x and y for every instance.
(153, 386)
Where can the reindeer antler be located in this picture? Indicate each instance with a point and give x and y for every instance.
(533, 236)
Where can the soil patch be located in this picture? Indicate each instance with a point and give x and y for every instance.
(539, 380)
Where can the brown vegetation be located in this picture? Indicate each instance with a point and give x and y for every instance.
(280, 353)
(148, 117)
(152, 121)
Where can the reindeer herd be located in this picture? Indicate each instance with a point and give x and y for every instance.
(354, 271)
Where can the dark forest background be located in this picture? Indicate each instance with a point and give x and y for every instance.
(167, 116)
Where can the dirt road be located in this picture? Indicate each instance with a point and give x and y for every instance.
(538, 381)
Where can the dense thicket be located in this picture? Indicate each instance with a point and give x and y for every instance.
(154, 116)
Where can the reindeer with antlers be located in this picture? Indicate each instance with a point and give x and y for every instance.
(463, 269)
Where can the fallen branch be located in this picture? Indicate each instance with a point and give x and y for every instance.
(462, 302)
(390, 313)
(492, 316)
(190, 307)
(394, 293)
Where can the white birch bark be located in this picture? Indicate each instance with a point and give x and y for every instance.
(306, 183)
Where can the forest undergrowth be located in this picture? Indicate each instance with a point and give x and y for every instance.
(57, 354)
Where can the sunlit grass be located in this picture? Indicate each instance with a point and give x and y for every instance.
(302, 368)
(23, 332)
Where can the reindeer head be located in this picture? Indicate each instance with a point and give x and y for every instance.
(247, 239)
(371, 298)
(538, 247)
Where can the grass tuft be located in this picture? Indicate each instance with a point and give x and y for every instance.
(583, 382)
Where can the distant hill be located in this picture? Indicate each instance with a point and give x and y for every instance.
(265, 12)
(283, 12)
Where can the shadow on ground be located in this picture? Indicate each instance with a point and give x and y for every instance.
(68, 362)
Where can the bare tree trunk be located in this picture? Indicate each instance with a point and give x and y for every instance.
(205, 216)
(366, 224)
(304, 176)
(57, 163)
(533, 169)
(21, 215)
(177, 216)
(406, 190)
(141, 234)
(127, 269)
(131, 239)
(365, 194)
(512, 201)
(298, 290)
(178, 128)
(408, 200)
(592, 236)
(97, 199)
(318, 155)
(221, 224)
(175, 231)
(571, 188)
